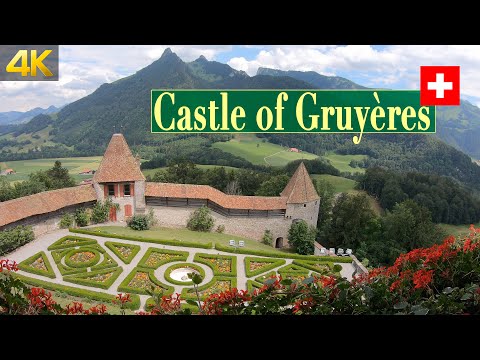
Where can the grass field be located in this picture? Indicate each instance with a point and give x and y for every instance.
(341, 162)
(457, 230)
(24, 167)
(341, 184)
(257, 152)
(186, 235)
(152, 172)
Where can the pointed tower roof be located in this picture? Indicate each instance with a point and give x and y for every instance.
(118, 163)
(300, 188)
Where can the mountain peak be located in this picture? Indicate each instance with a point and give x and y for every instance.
(201, 58)
(167, 52)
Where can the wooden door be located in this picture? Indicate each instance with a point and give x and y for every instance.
(113, 214)
(128, 210)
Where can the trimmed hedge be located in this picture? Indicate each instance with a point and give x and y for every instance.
(25, 265)
(252, 285)
(201, 258)
(124, 287)
(107, 263)
(113, 247)
(73, 291)
(189, 293)
(269, 265)
(84, 279)
(311, 264)
(86, 264)
(339, 259)
(80, 241)
(143, 239)
(260, 279)
(150, 303)
(293, 269)
(179, 256)
(182, 265)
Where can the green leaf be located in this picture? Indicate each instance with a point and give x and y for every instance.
(191, 302)
(447, 290)
(466, 296)
(337, 268)
(286, 282)
(400, 306)
(421, 311)
(308, 280)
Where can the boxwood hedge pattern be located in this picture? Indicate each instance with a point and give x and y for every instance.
(216, 285)
(252, 285)
(182, 265)
(102, 279)
(155, 257)
(70, 241)
(38, 264)
(255, 266)
(82, 264)
(260, 279)
(222, 265)
(125, 252)
(293, 269)
(82, 293)
(140, 280)
(319, 266)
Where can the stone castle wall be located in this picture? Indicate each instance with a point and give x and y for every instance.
(307, 212)
(249, 227)
(44, 223)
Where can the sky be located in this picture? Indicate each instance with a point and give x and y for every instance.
(84, 68)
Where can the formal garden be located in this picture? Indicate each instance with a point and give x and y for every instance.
(90, 265)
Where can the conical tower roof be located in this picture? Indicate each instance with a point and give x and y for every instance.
(300, 188)
(118, 163)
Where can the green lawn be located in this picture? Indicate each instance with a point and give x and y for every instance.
(152, 172)
(457, 230)
(341, 162)
(341, 184)
(24, 167)
(186, 235)
(257, 152)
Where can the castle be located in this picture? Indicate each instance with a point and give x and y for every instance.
(119, 178)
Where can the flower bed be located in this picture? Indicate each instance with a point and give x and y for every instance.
(255, 266)
(320, 266)
(293, 269)
(71, 241)
(197, 268)
(102, 279)
(223, 265)
(140, 280)
(216, 285)
(125, 252)
(83, 257)
(38, 264)
(155, 257)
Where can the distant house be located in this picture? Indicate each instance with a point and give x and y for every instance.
(294, 150)
(87, 172)
(7, 172)
(87, 182)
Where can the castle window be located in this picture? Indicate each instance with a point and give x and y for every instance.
(126, 190)
(304, 205)
(111, 190)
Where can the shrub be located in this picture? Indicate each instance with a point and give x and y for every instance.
(101, 210)
(81, 217)
(201, 220)
(66, 221)
(14, 238)
(267, 238)
(139, 222)
(220, 229)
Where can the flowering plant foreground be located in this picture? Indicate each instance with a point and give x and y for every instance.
(442, 279)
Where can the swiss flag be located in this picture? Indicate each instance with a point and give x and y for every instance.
(439, 85)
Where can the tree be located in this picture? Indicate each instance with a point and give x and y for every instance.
(273, 186)
(409, 225)
(301, 237)
(233, 188)
(60, 178)
(326, 191)
(201, 220)
(353, 221)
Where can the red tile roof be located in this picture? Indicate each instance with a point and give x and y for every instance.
(300, 188)
(212, 194)
(118, 163)
(44, 202)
